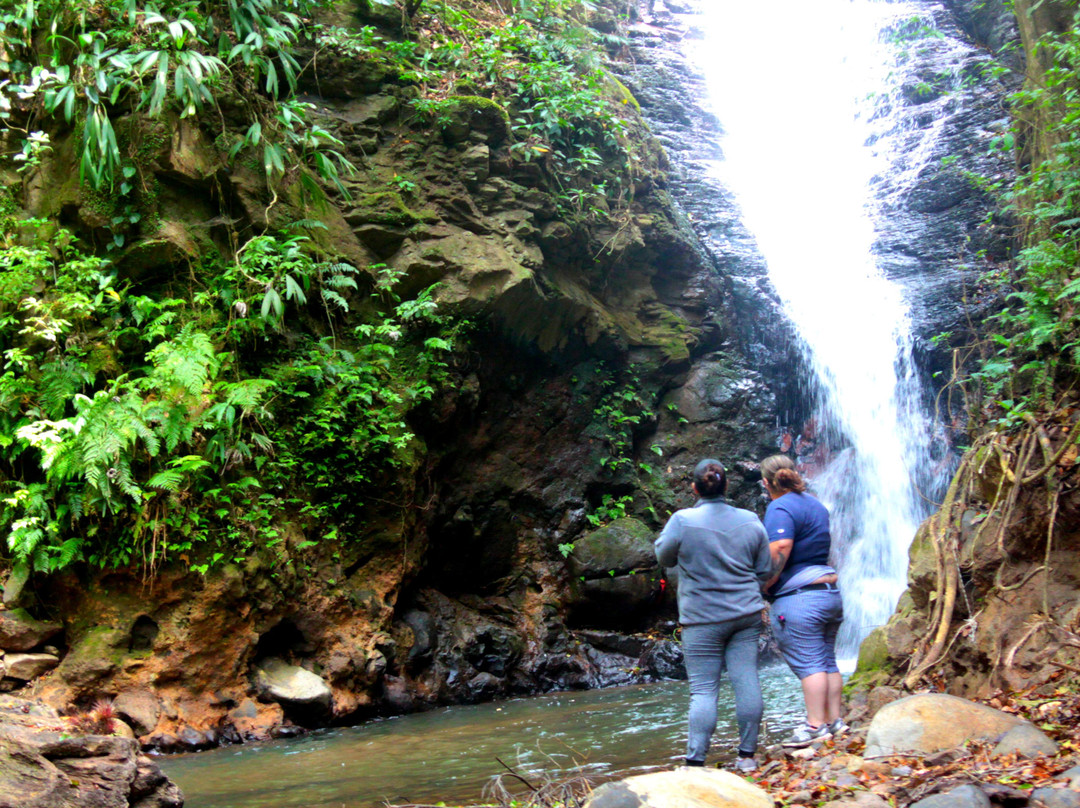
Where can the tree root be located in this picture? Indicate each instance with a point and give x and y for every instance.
(1052, 461)
(948, 576)
(944, 533)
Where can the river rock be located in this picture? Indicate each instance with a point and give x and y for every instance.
(715, 391)
(1072, 776)
(276, 680)
(21, 632)
(623, 545)
(140, 707)
(860, 799)
(484, 686)
(1028, 740)
(880, 696)
(663, 659)
(963, 797)
(29, 666)
(932, 722)
(682, 788)
(43, 765)
(617, 601)
(1057, 797)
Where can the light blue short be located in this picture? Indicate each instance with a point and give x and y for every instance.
(805, 626)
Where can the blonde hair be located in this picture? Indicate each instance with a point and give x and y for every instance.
(779, 471)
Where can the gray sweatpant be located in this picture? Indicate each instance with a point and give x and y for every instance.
(707, 647)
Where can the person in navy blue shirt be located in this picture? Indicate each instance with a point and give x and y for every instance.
(806, 610)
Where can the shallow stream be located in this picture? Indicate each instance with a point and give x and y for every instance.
(452, 754)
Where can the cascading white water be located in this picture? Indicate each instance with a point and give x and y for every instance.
(792, 84)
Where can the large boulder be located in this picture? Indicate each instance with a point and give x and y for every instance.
(682, 788)
(932, 722)
(277, 680)
(623, 545)
(21, 632)
(28, 666)
(140, 708)
(44, 763)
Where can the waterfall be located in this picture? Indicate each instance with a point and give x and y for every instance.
(798, 90)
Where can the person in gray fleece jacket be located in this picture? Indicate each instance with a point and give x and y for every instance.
(722, 556)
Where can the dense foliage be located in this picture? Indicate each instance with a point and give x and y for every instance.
(538, 67)
(197, 416)
(1031, 349)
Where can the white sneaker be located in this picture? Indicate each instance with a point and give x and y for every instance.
(745, 765)
(804, 735)
(839, 727)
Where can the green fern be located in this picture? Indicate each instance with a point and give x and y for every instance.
(247, 394)
(60, 380)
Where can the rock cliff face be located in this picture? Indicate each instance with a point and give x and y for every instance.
(938, 226)
(992, 574)
(609, 356)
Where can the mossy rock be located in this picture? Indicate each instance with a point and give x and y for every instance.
(172, 244)
(623, 94)
(873, 652)
(668, 332)
(93, 657)
(384, 13)
(922, 566)
(387, 207)
(474, 113)
(623, 545)
(872, 669)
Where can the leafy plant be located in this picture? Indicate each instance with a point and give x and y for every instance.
(1034, 340)
(609, 510)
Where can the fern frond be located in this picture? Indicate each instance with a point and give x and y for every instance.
(339, 268)
(247, 394)
(332, 298)
(67, 553)
(188, 361)
(167, 480)
(60, 380)
(306, 224)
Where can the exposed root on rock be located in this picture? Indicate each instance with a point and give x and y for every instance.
(1001, 481)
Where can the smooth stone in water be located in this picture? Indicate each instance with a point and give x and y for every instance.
(682, 788)
(276, 680)
(932, 722)
(1028, 740)
(963, 797)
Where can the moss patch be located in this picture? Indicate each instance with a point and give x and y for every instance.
(872, 669)
(387, 207)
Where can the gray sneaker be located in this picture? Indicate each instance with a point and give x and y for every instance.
(839, 727)
(745, 765)
(804, 735)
